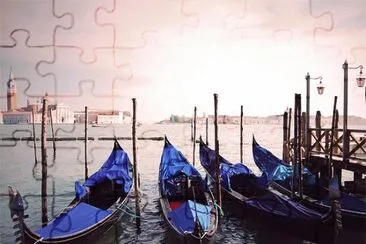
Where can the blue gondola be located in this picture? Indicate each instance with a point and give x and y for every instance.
(251, 196)
(98, 205)
(316, 196)
(186, 201)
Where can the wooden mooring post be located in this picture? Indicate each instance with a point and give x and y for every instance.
(135, 173)
(218, 173)
(44, 163)
(86, 143)
(194, 136)
(34, 139)
(53, 135)
(318, 126)
(206, 130)
(241, 133)
(297, 162)
(285, 145)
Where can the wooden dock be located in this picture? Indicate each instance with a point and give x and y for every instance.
(318, 144)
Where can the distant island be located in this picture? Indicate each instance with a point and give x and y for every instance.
(271, 119)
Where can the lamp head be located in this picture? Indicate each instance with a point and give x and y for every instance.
(360, 79)
(320, 87)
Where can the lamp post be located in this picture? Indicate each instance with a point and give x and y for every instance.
(360, 83)
(320, 89)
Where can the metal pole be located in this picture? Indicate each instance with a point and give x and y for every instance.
(86, 142)
(137, 200)
(194, 135)
(218, 173)
(44, 163)
(345, 112)
(307, 132)
(241, 133)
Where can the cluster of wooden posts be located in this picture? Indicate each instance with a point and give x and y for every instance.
(317, 145)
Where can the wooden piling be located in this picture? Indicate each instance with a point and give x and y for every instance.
(44, 164)
(207, 131)
(337, 172)
(335, 148)
(285, 142)
(241, 133)
(53, 135)
(192, 130)
(135, 174)
(296, 164)
(194, 135)
(86, 143)
(289, 147)
(34, 139)
(318, 126)
(303, 126)
(289, 125)
(218, 173)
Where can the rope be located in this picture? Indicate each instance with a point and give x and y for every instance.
(221, 211)
(131, 213)
(40, 239)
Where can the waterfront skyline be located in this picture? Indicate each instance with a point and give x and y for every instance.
(254, 54)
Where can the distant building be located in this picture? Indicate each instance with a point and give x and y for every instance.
(16, 117)
(61, 114)
(11, 93)
(104, 117)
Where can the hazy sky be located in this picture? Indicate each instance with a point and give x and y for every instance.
(173, 55)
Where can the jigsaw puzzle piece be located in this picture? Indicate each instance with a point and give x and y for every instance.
(23, 59)
(30, 16)
(71, 74)
(129, 19)
(86, 34)
(345, 37)
(216, 20)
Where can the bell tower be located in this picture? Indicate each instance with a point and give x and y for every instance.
(11, 93)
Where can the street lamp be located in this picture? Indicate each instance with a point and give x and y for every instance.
(320, 89)
(360, 83)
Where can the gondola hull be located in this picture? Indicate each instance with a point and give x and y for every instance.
(88, 236)
(97, 206)
(176, 234)
(187, 204)
(350, 219)
(353, 210)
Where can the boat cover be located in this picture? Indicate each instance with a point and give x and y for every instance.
(275, 168)
(185, 216)
(173, 164)
(79, 218)
(228, 169)
(280, 171)
(115, 168)
(274, 204)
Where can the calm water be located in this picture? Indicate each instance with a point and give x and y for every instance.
(17, 169)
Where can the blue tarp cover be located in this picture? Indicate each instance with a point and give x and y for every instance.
(172, 164)
(280, 171)
(115, 168)
(208, 159)
(79, 218)
(275, 168)
(185, 216)
(275, 205)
